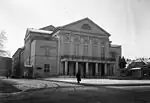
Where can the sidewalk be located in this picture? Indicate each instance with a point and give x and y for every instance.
(102, 82)
(7, 87)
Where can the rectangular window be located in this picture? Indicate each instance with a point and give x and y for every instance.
(113, 54)
(47, 51)
(102, 51)
(46, 67)
(76, 49)
(85, 52)
(66, 48)
(95, 51)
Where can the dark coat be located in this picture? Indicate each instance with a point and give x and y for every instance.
(78, 77)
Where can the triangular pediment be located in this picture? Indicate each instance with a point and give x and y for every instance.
(86, 25)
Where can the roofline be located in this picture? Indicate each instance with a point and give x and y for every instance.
(90, 21)
(46, 27)
(17, 51)
(96, 34)
(39, 31)
(74, 22)
(119, 46)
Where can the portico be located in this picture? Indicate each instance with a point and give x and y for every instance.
(87, 69)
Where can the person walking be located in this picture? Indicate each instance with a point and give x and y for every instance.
(78, 76)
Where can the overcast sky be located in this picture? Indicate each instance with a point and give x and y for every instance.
(128, 21)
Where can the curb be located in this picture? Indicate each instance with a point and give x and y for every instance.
(85, 84)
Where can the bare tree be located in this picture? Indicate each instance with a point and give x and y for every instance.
(3, 38)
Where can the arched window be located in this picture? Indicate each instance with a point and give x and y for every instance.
(86, 27)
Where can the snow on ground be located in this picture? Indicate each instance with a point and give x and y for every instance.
(2, 77)
(130, 87)
(26, 84)
(101, 81)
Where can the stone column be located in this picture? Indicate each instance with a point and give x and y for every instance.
(87, 69)
(96, 69)
(66, 67)
(76, 67)
(105, 69)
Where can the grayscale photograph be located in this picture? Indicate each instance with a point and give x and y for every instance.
(74, 51)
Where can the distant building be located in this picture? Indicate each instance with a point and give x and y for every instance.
(16, 63)
(5, 65)
(79, 46)
(139, 68)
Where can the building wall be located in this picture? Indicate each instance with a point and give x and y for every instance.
(22, 62)
(16, 63)
(117, 51)
(44, 52)
(5, 65)
(69, 39)
(27, 51)
(73, 39)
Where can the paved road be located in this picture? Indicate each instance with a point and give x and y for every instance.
(74, 93)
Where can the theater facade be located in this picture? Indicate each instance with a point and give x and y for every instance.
(79, 46)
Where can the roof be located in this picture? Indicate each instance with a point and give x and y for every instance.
(1, 57)
(115, 46)
(48, 28)
(135, 68)
(139, 63)
(88, 20)
(39, 31)
(19, 50)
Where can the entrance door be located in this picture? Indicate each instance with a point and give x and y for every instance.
(93, 69)
(63, 63)
(102, 70)
(74, 68)
(84, 70)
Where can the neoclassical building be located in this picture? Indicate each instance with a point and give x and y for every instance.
(79, 46)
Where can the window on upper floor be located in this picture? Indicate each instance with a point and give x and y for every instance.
(95, 42)
(85, 50)
(103, 51)
(113, 54)
(47, 51)
(76, 39)
(66, 48)
(85, 40)
(76, 49)
(95, 47)
(102, 48)
(95, 51)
